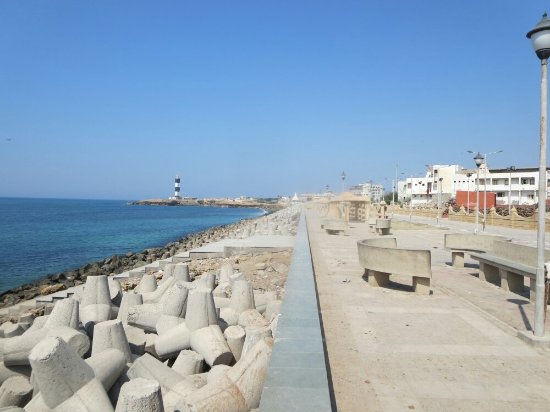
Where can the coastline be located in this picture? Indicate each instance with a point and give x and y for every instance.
(116, 264)
(271, 207)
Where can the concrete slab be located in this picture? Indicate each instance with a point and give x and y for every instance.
(229, 247)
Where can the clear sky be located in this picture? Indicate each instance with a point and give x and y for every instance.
(110, 99)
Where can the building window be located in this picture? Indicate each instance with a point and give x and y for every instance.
(500, 194)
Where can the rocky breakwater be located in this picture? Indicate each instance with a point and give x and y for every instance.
(173, 339)
(121, 263)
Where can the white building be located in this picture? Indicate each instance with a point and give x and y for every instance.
(517, 186)
(373, 191)
(437, 184)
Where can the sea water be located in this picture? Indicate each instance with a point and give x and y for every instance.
(45, 236)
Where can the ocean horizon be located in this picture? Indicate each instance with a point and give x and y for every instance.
(43, 236)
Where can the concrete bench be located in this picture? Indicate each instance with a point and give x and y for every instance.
(507, 264)
(381, 258)
(461, 243)
(383, 226)
(372, 224)
(334, 227)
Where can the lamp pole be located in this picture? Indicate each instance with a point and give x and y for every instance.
(411, 200)
(510, 168)
(343, 177)
(485, 187)
(438, 198)
(468, 175)
(478, 159)
(540, 38)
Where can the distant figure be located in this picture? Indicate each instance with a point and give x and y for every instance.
(382, 210)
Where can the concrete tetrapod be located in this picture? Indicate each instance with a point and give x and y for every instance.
(234, 336)
(140, 395)
(173, 303)
(115, 291)
(16, 350)
(15, 391)
(111, 335)
(171, 342)
(226, 271)
(107, 365)
(173, 385)
(66, 382)
(272, 309)
(166, 323)
(128, 300)
(254, 334)
(201, 310)
(211, 344)
(181, 272)
(9, 330)
(242, 298)
(7, 372)
(251, 317)
(64, 313)
(148, 283)
(241, 388)
(95, 306)
(168, 271)
(136, 339)
(156, 296)
(188, 363)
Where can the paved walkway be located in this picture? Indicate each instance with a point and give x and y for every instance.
(456, 350)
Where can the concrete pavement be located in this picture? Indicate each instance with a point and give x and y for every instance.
(390, 349)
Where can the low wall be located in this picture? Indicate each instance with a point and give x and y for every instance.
(297, 378)
(493, 218)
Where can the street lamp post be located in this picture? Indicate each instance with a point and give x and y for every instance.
(540, 38)
(343, 177)
(485, 187)
(478, 159)
(482, 159)
(510, 168)
(468, 175)
(439, 198)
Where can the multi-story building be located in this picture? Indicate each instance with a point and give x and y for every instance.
(373, 191)
(516, 186)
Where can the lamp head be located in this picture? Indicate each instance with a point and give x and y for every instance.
(540, 37)
(478, 158)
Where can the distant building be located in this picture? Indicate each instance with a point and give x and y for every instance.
(373, 191)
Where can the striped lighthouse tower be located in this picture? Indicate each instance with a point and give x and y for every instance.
(177, 188)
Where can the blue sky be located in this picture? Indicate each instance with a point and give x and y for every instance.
(110, 99)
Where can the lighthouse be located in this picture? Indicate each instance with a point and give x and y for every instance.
(177, 188)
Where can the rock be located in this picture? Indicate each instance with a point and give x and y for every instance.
(47, 290)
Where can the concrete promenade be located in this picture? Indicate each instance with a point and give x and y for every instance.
(456, 350)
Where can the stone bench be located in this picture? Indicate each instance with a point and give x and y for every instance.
(334, 227)
(507, 264)
(381, 258)
(372, 224)
(383, 226)
(461, 243)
